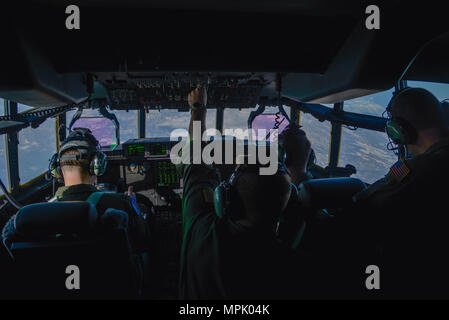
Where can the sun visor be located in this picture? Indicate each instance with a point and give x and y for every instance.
(342, 79)
(358, 69)
(27, 77)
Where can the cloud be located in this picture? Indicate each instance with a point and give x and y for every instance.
(36, 146)
(364, 106)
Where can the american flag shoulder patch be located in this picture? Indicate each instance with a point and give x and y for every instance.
(399, 170)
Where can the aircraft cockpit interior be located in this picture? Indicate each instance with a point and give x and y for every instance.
(125, 73)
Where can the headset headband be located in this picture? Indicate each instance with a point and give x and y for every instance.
(254, 168)
(80, 139)
(395, 95)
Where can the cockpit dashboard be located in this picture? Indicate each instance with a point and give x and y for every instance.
(143, 164)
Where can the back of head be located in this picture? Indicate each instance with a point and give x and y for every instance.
(77, 151)
(263, 197)
(81, 165)
(419, 108)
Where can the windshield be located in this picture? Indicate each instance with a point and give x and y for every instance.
(367, 149)
(440, 90)
(263, 123)
(103, 129)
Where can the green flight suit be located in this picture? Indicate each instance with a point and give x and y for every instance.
(406, 216)
(221, 259)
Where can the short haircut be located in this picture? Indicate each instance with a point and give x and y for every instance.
(74, 165)
(418, 107)
(263, 196)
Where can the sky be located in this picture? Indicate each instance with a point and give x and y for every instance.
(362, 148)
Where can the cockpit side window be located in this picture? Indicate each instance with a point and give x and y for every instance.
(36, 146)
(440, 90)
(23, 108)
(367, 149)
(373, 105)
(319, 136)
(3, 174)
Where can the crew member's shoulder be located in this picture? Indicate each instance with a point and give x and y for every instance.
(433, 161)
(115, 198)
(401, 171)
(438, 150)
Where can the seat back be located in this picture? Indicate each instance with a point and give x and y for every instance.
(59, 246)
(329, 193)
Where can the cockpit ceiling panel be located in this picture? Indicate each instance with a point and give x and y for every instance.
(431, 63)
(323, 57)
(304, 7)
(137, 40)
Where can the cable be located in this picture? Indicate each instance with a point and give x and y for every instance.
(11, 200)
(278, 114)
(278, 123)
(392, 147)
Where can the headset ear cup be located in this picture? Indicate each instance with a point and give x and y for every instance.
(219, 200)
(59, 172)
(395, 132)
(98, 164)
(104, 163)
(54, 168)
(400, 131)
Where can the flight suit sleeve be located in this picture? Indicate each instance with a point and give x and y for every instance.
(138, 228)
(199, 182)
(374, 205)
(366, 195)
(386, 191)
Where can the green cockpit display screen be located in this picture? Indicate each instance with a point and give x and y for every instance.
(136, 150)
(167, 175)
(158, 149)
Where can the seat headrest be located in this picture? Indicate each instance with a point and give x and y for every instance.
(44, 219)
(329, 193)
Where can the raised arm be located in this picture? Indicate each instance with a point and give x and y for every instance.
(199, 180)
(297, 149)
(197, 101)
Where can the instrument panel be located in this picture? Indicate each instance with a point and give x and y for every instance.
(154, 90)
(143, 163)
(147, 148)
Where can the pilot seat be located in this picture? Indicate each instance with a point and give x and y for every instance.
(64, 251)
(334, 243)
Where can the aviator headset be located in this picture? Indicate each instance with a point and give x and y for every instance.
(226, 197)
(83, 140)
(399, 130)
